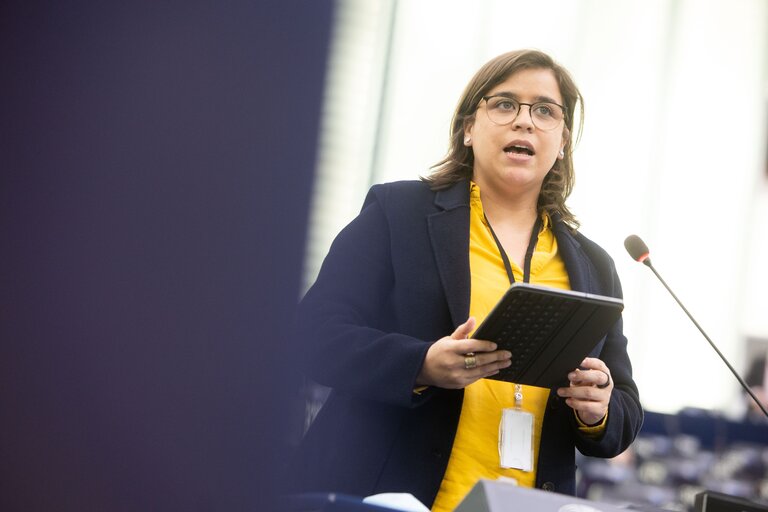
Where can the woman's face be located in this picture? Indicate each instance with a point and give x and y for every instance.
(514, 158)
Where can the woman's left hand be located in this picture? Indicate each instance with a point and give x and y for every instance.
(590, 390)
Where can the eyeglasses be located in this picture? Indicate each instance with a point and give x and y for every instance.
(502, 109)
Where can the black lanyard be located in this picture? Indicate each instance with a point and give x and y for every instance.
(528, 253)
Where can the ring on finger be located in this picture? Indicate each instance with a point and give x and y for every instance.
(470, 361)
(607, 381)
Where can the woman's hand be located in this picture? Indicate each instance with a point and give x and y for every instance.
(455, 361)
(590, 390)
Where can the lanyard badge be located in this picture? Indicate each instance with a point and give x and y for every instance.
(516, 435)
(516, 427)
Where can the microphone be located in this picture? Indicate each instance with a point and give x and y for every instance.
(639, 252)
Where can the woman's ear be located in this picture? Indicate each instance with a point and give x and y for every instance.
(563, 143)
(469, 124)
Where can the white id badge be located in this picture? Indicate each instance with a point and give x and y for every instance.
(516, 439)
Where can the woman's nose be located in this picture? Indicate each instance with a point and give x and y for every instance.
(524, 120)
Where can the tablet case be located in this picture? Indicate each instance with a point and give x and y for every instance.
(549, 331)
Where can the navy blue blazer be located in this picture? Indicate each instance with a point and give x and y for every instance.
(395, 280)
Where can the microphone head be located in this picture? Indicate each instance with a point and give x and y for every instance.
(637, 249)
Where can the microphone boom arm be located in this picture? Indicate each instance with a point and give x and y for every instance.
(744, 385)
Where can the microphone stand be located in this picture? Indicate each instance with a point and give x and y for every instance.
(647, 263)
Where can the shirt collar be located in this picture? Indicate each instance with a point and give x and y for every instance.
(474, 199)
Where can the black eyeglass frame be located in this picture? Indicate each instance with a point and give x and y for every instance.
(520, 104)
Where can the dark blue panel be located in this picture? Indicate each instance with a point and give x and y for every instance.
(712, 430)
(156, 160)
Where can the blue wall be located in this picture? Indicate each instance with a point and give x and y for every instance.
(156, 160)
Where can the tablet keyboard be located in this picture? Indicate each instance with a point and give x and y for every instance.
(549, 331)
(527, 327)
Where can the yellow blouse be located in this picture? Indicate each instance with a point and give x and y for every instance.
(475, 452)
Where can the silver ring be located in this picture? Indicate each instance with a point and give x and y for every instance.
(470, 361)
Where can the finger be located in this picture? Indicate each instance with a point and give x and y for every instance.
(585, 393)
(464, 329)
(608, 382)
(489, 358)
(582, 406)
(593, 363)
(495, 367)
(485, 363)
(598, 378)
(487, 370)
(597, 373)
(576, 377)
(580, 377)
(473, 345)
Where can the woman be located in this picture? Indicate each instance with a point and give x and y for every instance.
(388, 323)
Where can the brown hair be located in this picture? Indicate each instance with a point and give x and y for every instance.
(458, 163)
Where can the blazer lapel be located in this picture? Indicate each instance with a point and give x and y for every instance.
(449, 234)
(577, 263)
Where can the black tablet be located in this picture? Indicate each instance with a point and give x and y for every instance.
(549, 331)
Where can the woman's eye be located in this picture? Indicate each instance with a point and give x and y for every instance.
(505, 105)
(543, 110)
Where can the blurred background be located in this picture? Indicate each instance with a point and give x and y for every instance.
(153, 205)
(673, 149)
(160, 162)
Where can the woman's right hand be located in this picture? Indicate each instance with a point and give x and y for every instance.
(445, 365)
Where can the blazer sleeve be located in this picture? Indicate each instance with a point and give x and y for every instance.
(342, 335)
(625, 414)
